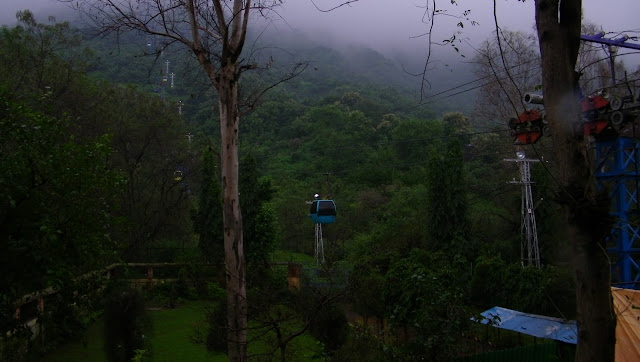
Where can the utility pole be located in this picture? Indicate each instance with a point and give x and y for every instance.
(529, 233)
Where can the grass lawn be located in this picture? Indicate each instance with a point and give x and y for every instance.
(91, 350)
(172, 328)
(169, 338)
(171, 331)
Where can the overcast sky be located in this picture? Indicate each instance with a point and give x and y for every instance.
(395, 24)
(380, 23)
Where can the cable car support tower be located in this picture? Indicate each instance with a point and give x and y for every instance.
(322, 212)
(319, 250)
(529, 232)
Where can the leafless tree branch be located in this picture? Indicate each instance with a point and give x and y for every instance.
(349, 2)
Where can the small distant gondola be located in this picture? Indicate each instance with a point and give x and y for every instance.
(323, 211)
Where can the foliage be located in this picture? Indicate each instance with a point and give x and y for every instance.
(258, 218)
(170, 294)
(398, 226)
(37, 60)
(423, 293)
(416, 195)
(413, 139)
(367, 292)
(207, 220)
(57, 195)
(546, 291)
(446, 207)
(15, 348)
(330, 327)
(362, 345)
(61, 168)
(284, 320)
(69, 312)
(199, 275)
(152, 152)
(216, 318)
(457, 125)
(139, 356)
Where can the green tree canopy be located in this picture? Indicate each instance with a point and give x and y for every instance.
(56, 198)
(207, 221)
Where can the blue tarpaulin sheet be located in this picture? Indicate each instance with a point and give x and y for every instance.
(531, 324)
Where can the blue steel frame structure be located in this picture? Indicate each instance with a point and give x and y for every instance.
(617, 164)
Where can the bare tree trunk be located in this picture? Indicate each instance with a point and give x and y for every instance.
(586, 211)
(216, 35)
(233, 245)
(281, 344)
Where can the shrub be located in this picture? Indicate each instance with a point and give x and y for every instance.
(126, 324)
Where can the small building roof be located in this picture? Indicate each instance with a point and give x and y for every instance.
(531, 324)
(626, 303)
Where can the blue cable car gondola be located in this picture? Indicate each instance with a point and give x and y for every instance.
(323, 211)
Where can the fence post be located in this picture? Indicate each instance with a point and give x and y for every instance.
(40, 327)
(294, 271)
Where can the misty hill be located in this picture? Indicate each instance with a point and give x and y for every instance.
(142, 60)
(336, 60)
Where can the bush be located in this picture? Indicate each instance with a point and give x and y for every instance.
(216, 339)
(126, 325)
(330, 327)
(362, 345)
(15, 347)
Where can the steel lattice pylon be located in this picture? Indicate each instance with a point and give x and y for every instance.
(529, 249)
(319, 244)
(617, 168)
(529, 230)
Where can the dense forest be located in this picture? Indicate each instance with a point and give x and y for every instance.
(109, 153)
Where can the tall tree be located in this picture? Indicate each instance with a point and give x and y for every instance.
(57, 189)
(215, 33)
(150, 149)
(258, 220)
(586, 209)
(447, 206)
(425, 291)
(56, 196)
(208, 219)
(43, 66)
(507, 71)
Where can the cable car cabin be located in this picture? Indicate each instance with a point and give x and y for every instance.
(323, 211)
